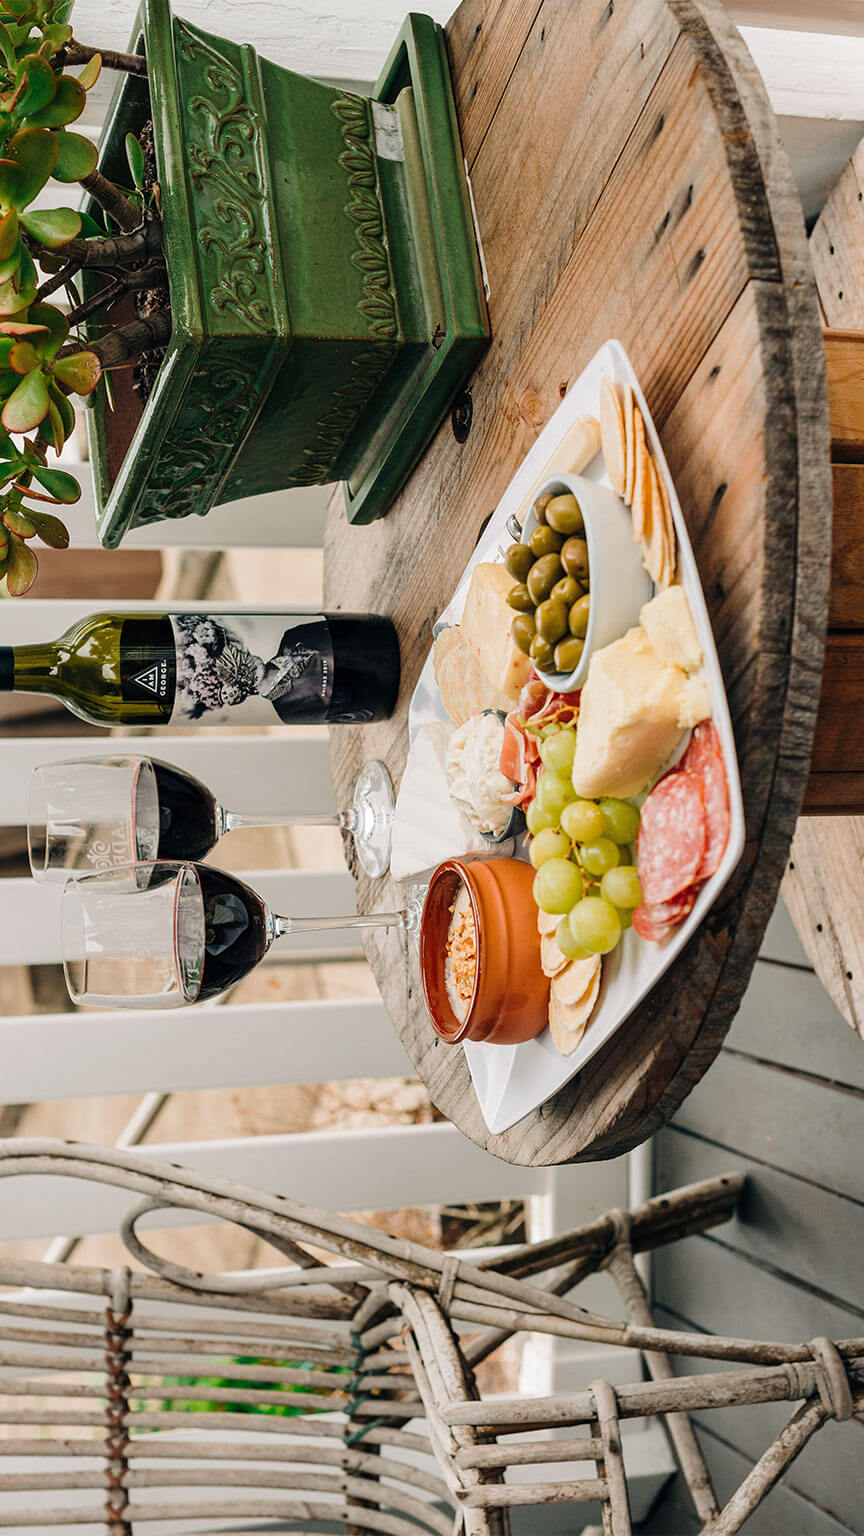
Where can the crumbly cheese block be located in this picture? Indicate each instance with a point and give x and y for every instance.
(628, 721)
(694, 702)
(668, 623)
(486, 625)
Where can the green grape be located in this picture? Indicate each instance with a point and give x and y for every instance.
(554, 792)
(599, 855)
(582, 820)
(558, 749)
(558, 886)
(537, 820)
(620, 820)
(625, 917)
(567, 944)
(595, 924)
(621, 886)
(548, 845)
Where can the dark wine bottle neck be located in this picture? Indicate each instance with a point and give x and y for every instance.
(7, 669)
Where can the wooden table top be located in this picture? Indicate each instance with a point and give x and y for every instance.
(629, 183)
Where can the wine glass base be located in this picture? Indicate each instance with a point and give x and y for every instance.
(374, 806)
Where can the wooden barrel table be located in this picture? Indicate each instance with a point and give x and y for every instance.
(629, 183)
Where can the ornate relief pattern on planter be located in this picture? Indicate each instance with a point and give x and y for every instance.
(367, 370)
(228, 174)
(378, 307)
(197, 453)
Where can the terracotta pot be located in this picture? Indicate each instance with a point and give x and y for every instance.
(511, 994)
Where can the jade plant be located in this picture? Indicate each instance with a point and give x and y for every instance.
(45, 355)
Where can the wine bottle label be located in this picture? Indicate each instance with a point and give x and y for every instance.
(147, 665)
(252, 669)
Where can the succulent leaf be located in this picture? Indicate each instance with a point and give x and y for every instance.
(10, 269)
(52, 226)
(23, 357)
(34, 151)
(56, 324)
(76, 156)
(8, 234)
(12, 302)
(62, 486)
(80, 372)
(91, 72)
(18, 523)
(55, 430)
(66, 106)
(135, 157)
(64, 407)
(27, 405)
(21, 328)
(49, 528)
(56, 35)
(7, 46)
(22, 568)
(40, 84)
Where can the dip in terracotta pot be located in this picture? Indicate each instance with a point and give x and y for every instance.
(480, 953)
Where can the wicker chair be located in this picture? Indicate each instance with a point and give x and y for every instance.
(316, 1394)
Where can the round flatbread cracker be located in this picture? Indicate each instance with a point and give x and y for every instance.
(573, 985)
(464, 687)
(568, 1021)
(641, 499)
(547, 922)
(552, 959)
(670, 564)
(613, 437)
(654, 540)
(630, 442)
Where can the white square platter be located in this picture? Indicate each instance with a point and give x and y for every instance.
(512, 1080)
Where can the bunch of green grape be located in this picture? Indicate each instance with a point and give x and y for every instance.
(581, 852)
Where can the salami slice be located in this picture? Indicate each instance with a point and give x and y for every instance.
(671, 843)
(657, 920)
(704, 758)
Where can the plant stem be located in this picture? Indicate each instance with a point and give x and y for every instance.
(125, 215)
(110, 251)
(80, 53)
(59, 280)
(142, 277)
(129, 340)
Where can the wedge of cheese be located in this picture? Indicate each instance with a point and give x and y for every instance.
(486, 625)
(668, 623)
(629, 718)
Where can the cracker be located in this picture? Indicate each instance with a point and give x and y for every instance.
(655, 539)
(568, 1021)
(630, 444)
(547, 922)
(613, 436)
(573, 985)
(671, 561)
(552, 959)
(641, 501)
(464, 687)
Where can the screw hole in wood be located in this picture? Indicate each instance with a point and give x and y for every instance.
(462, 415)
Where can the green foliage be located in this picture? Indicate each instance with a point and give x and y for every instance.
(206, 1405)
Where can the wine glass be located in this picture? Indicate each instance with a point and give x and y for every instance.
(92, 814)
(166, 933)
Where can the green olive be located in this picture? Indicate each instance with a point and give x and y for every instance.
(574, 558)
(568, 654)
(567, 590)
(579, 615)
(552, 619)
(520, 598)
(564, 514)
(519, 561)
(543, 575)
(523, 630)
(540, 505)
(544, 541)
(542, 652)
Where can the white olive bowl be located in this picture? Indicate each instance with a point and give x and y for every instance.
(619, 584)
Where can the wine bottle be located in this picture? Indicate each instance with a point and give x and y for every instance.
(215, 668)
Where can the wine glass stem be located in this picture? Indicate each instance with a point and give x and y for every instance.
(229, 820)
(285, 925)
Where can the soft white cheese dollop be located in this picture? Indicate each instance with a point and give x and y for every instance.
(473, 776)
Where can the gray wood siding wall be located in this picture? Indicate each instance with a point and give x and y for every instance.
(784, 1102)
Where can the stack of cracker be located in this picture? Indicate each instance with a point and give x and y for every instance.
(634, 476)
(573, 989)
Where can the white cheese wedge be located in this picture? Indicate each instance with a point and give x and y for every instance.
(628, 721)
(486, 625)
(668, 623)
(694, 702)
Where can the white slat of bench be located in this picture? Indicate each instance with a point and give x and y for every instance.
(41, 619)
(399, 1166)
(30, 917)
(267, 775)
(281, 519)
(68, 1056)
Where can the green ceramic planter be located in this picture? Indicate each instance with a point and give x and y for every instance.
(325, 290)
